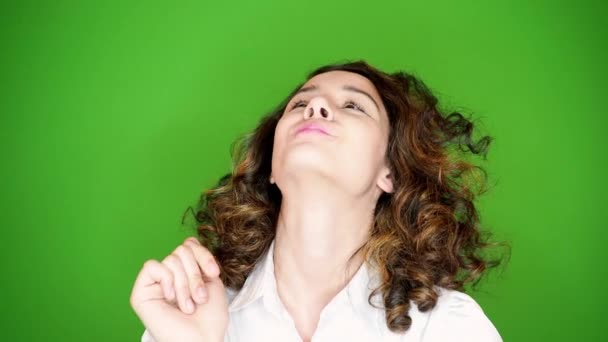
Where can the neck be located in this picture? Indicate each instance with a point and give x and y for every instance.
(318, 231)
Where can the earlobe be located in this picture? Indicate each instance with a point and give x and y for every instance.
(386, 183)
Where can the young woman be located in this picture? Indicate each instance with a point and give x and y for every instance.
(348, 217)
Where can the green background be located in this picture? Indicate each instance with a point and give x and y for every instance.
(115, 115)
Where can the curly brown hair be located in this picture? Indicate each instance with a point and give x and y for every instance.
(425, 234)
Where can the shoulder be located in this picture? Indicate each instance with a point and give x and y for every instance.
(458, 317)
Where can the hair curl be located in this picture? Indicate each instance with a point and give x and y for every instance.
(425, 234)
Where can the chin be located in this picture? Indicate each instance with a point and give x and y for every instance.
(304, 156)
(305, 165)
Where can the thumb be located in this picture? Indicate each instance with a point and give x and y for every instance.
(216, 291)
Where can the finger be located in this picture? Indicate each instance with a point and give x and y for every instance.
(152, 273)
(180, 283)
(193, 239)
(193, 273)
(217, 294)
(204, 258)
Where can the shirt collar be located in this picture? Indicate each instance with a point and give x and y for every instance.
(258, 280)
(261, 283)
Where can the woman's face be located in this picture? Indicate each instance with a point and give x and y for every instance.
(335, 129)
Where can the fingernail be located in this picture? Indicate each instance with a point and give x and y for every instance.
(171, 293)
(213, 266)
(201, 293)
(189, 305)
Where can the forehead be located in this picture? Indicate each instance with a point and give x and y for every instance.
(338, 78)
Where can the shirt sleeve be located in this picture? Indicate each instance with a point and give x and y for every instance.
(457, 317)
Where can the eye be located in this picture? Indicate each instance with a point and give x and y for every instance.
(297, 104)
(355, 105)
(349, 103)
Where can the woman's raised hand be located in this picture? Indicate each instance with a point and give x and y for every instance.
(182, 298)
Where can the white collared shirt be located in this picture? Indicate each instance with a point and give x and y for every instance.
(258, 315)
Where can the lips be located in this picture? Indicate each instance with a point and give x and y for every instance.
(312, 127)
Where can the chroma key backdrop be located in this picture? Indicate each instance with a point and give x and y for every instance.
(116, 115)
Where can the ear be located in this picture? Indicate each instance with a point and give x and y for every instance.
(385, 180)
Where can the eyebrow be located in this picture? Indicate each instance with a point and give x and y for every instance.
(345, 87)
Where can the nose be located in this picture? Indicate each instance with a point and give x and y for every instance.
(318, 107)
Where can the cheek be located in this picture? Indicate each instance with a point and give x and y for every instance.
(280, 135)
(277, 139)
(363, 154)
(366, 142)
(284, 125)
